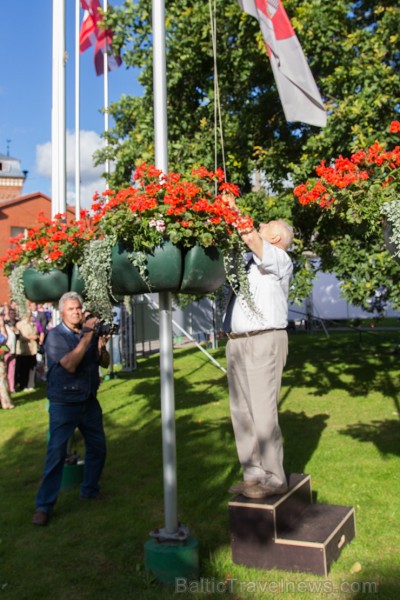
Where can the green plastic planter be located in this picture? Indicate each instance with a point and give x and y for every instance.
(45, 287)
(203, 270)
(72, 475)
(164, 266)
(170, 563)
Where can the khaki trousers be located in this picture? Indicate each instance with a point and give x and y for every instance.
(254, 367)
(5, 399)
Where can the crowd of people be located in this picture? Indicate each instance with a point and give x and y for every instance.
(22, 359)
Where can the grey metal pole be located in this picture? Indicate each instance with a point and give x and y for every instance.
(58, 134)
(168, 414)
(166, 350)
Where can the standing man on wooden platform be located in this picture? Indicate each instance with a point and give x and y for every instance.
(256, 355)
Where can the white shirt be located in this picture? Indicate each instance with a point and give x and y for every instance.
(269, 280)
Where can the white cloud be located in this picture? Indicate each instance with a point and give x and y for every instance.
(91, 180)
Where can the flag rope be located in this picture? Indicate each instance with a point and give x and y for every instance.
(217, 101)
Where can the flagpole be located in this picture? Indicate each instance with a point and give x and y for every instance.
(106, 123)
(110, 374)
(54, 113)
(165, 312)
(77, 113)
(62, 113)
(58, 134)
(172, 552)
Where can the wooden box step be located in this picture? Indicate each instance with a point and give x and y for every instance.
(275, 514)
(317, 540)
(289, 532)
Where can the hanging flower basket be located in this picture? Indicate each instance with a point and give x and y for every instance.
(163, 270)
(203, 270)
(159, 234)
(45, 287)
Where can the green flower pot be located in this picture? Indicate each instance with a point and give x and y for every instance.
(164, 267)
(45, 287)
(203, 270)
(72, 475)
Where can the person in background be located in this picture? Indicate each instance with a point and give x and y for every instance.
(40, 316)
(10, 358)
(40, 321)
(26, 351)
(5, 399)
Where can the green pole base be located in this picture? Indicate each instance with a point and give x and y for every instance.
(169, 561)
(72, 475)
(109, 376)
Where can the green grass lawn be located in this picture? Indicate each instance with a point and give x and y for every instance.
(340, 420)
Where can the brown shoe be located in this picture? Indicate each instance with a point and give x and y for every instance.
(243, 485)
(263, 491)
(40, 517)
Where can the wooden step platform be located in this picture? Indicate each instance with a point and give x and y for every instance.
(289, 532)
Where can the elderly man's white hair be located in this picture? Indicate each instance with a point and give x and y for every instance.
(69, 296)
(286, 232)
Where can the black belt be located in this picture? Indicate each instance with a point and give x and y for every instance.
(235, 336)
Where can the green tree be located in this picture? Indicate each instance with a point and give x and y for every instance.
(353, 51)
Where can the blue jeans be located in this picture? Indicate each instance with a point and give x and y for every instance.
(64, 419)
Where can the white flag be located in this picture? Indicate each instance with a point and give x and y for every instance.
(297, 89)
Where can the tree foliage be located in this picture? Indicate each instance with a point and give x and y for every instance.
(353, 51)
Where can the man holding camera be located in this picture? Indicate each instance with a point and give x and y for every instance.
(74, 352)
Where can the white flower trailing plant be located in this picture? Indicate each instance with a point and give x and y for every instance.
(391, 212)
(95, 270)
(17, 288)
(139, 260)
(236, 274)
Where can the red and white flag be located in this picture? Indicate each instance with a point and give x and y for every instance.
(297, 89)
(92, 35)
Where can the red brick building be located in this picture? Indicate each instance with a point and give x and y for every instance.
(17, 213)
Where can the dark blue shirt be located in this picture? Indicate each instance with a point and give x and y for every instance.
(65, 387)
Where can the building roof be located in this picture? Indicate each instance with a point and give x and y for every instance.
(27, 198)
(10, 167)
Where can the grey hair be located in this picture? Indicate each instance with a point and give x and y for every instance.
(286, 232)
(69, 296)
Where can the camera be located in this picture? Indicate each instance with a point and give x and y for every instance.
(102, 328)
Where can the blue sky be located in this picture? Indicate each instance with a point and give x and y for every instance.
(26, 94)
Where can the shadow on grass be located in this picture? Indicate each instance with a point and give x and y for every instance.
(21, 398)
(340, 363)
(384, 434)
(189, 391)
(103, 542)
(301, 437)
(207, 465)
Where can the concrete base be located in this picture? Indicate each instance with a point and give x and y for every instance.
(171, 561)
